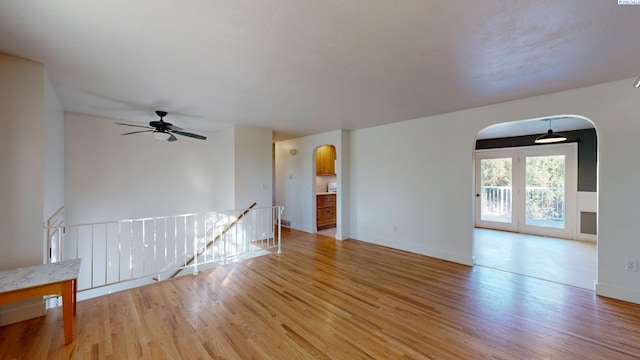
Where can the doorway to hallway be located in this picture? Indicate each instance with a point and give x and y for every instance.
(563, 261)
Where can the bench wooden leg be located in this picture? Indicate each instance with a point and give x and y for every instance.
(75, 295)
(68, 310)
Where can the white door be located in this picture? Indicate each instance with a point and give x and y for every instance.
(528, 189)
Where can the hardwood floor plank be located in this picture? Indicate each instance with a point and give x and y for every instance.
(325, 299)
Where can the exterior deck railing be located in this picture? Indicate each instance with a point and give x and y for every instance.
(542, 203)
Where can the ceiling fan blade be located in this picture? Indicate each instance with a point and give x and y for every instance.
(137, 132)
(140, 126)
(195, 136)
(174, 128)
(172, 138)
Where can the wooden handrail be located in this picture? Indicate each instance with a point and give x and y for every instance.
(224, 231)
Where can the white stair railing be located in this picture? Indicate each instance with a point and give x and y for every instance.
(117, 252)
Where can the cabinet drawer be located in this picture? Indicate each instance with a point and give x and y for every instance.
(326, 201)
(326, 216)
(327, 213)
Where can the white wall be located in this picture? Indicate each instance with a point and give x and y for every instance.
(343, 200)
(21, 161)
(295, 180)
(253, 167)
(113, 177)
(417, 177)
(224, 160)
(22, 174)
(53, 152)
(408, 184)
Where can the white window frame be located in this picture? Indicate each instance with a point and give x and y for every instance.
(518, 156)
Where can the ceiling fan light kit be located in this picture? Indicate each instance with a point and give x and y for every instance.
(161, 135)
(550, 137)
(637, 83)
(163, 130)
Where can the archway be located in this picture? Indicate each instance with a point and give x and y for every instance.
(326, 189)
(510, 245)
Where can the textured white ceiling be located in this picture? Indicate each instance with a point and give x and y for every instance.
(304, 67)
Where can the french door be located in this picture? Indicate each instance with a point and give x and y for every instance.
(528, 189)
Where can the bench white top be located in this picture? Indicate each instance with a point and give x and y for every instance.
(36, 275)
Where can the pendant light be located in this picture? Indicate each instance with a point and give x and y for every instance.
(550, 137)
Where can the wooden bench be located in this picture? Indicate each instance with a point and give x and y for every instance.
(41, 280)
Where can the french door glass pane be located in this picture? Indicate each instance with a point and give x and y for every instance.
(545, 191)
(495, 190)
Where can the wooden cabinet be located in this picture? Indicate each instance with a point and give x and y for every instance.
(325, 211)
(326, 160)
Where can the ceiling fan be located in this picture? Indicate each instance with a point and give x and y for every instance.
(163, 130)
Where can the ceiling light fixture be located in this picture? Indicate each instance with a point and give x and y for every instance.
(161, 135)
(637, 83)
(550, 137)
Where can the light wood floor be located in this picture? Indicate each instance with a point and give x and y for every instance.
(325, 299)
(565, 261)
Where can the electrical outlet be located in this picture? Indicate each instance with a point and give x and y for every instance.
(631, 265)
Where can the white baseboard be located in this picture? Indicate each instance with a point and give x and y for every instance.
(618, 293)
(419, 249)
(587, 237)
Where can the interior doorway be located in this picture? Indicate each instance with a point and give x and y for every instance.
(535, 206)
(326, 190)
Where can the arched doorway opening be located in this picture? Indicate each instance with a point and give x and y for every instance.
(536, 205)
(326, 189)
